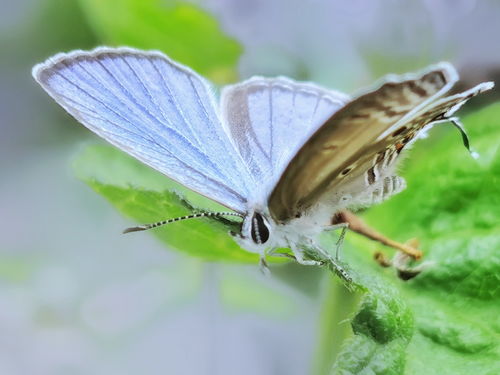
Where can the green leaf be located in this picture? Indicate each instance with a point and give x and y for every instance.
(154, 197)
(453, 205)
(382, 330)
(183, 31)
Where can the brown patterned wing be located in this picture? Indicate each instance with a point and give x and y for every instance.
(350, 142)
(374, 162)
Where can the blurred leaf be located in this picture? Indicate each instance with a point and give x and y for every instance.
(29, 45)
(154, 197)
(183, 31)
(15, 270)
(453, 205)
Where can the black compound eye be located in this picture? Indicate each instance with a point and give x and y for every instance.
(259, 230)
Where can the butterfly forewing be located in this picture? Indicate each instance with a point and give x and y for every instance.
(376, 160)
(438, 110)
(154, 109)
(333, 152)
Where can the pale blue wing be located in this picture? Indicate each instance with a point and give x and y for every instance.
(156, 110)
(269, 119)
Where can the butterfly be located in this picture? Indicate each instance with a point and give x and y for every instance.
(288, 157)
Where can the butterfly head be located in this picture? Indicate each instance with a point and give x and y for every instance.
(256, 232)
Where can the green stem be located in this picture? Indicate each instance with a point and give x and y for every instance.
(334, 328)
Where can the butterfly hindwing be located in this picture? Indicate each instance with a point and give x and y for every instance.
(269, 119)
(333, 152)
(379, 158)
(156, 110)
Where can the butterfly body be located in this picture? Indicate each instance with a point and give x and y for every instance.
(286, 156)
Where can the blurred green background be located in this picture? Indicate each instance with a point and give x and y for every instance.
(77, 297)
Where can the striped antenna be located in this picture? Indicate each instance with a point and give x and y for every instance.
(192, 216)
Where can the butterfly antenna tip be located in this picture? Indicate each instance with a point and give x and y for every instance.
(134, 229)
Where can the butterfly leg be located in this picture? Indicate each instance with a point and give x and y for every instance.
(299, 257)
(340, 241)
(357, 225)
(328, 261)
(263, 266)
(334, 264)
(262, 251)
